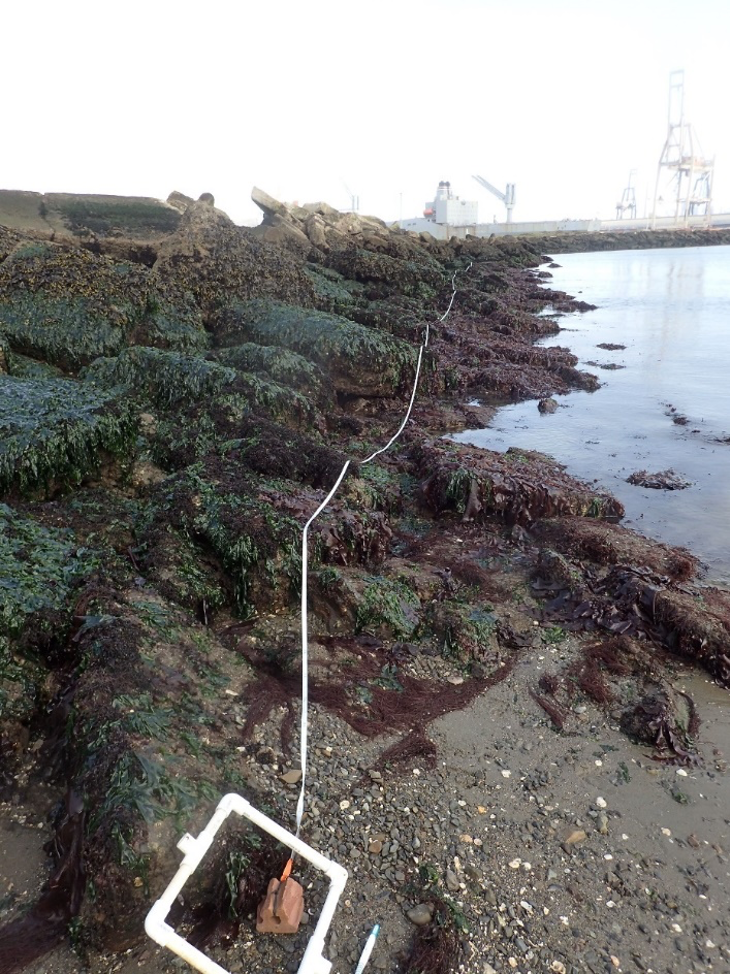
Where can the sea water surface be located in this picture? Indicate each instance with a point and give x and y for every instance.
(666, 406)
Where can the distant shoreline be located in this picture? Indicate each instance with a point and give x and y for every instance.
(579, 242)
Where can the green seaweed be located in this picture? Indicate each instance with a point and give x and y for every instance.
(283, 366)
(40, 568)
(333, 291)
(161, 377)
(246, 533)
(390, 604)
(364, 360)
(58, 431)
(70, 307)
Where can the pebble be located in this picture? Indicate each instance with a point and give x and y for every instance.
(452, 881)
(421, 914)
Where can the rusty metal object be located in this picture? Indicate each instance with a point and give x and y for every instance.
(281, 909)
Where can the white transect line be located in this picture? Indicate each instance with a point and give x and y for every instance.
(304, 730)
(305, 649)
(393, 438)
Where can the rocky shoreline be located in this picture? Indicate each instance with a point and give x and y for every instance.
(504, 753)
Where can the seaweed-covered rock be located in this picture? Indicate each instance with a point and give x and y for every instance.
(40, 568)
(161, 377)
(68, 307)
(662, 480)
(274, 451)
(216, 261)
(359, 601)
(333, 291)
(58, 432)
(184, 435)
(519, 486)
(465, 633)
(249, 529)
(665, 719)
(423, 275)
(282, 365)
(359, 361)
(555, 571)
(697, 625)
(147, 746)
(606, 544)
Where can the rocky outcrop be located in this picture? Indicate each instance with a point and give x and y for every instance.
(174, 412)
(179, 201)
(316, 225)
(67, 306)
(479, 484)
(359, 361)
(218, 262)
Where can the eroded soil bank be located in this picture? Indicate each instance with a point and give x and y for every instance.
(505, 752)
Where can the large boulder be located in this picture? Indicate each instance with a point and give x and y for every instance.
(519, 486)
(216, 261)
(317, 225)
(58, 432)
(358, 360)
(67, 306)
(268, 204)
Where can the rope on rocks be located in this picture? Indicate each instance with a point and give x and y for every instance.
(305, 647)
(303, 737)
(424, 346)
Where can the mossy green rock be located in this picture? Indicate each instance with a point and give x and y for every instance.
(283, 366)
(161, 377)
(358, 360)
(58, 432)
(68, 307)
(333, 291)
(408, 275)
(247, 530)
(40, 568)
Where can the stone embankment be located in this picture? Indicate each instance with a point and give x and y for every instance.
(498, 723)
(576, 243)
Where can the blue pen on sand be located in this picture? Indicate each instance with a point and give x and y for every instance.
(367, 949)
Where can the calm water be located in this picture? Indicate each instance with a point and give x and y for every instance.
(671, 309)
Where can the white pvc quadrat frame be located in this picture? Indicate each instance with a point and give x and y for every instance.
(313, 961)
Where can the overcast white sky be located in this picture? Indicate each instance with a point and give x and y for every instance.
(385, 97)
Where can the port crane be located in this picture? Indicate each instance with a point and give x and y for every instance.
(627, 204)
(508, 197)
